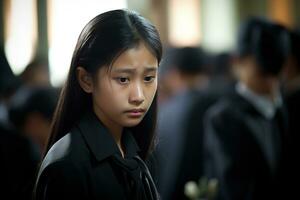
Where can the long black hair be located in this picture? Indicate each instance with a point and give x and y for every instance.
(101, 41)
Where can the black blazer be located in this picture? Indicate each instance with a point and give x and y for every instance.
(87, 164)
(244, 150)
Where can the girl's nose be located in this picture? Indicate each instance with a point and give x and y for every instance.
(137, 95)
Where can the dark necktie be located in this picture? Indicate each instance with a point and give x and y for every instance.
(137, 179)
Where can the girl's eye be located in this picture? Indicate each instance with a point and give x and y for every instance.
(149, 78)
(122, 80)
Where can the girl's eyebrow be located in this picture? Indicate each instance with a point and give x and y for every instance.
(133, 70)
(151, 69)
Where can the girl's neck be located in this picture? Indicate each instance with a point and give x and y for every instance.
(114, 129)
(116, 132)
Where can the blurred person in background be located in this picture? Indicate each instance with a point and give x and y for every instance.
(222, 73)
(186, 76)
(245, 132)
(9, 83)
(36, 73)
(31, 112)
(220, 84)
(167, 88)
(174, 78)
(17, 155)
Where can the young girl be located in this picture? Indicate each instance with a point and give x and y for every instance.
(103, 128)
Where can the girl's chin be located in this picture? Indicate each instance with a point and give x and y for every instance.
(132, 122)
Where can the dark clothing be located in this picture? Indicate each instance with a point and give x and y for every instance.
(171, 133)
(293, 106)
(179, 150)
(18, 168)
(180, 129)
(244, 150)
(87, 164)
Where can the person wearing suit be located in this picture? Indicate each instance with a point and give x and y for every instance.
(103, 128)
(186, 75)
(245, 132)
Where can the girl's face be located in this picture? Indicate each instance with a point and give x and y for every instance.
(123, 95)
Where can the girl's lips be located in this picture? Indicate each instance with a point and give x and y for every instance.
(135, 112)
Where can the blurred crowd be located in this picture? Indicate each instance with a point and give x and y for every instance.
(228, 123)
(231, 119)
(27, 104)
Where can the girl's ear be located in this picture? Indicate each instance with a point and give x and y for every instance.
(84, 79)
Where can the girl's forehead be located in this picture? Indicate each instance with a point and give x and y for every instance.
(137, 57)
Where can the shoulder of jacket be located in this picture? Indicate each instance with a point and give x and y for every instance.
(56, 153)
(221, 107)
(225, 112)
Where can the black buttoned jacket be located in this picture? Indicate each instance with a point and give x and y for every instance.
(87, 164)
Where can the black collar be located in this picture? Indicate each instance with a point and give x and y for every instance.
(100, 142)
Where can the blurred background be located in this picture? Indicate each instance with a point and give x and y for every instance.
(199, 67)
(47, 29)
